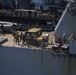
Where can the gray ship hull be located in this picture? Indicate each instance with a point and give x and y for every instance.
(21, 61)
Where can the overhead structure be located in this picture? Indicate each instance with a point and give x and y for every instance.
(72, 8)
(67, 26)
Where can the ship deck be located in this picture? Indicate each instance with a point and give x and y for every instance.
(11, 43)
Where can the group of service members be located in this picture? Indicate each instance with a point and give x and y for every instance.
(24, 39)
(19, 37)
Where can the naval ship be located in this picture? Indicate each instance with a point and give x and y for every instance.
(58, 58)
